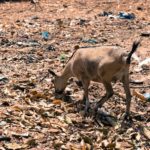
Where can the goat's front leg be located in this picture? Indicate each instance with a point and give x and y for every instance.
(125, 81)
(85, 87)
(109, 93)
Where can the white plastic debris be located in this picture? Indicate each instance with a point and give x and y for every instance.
(143, 64)
(135, 57)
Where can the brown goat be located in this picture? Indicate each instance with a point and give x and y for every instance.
(100, 64)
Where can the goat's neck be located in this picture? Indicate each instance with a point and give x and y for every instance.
(66, 74)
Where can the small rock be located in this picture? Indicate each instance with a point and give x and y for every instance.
(92, 41)
(4, 138)
(3, 79)
(140, 8)
(50, 48)
(45, 35)
(145, 34)
(28, 43)
(105, 13)
(139, 118)
(125, 15)
(106, 119)
(34, 17)
(3, 123)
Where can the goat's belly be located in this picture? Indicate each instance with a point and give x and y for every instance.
(96, 79)
(118, 76)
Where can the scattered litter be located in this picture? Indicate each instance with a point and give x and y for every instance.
(139, 117)
(5, 104)
(35, 4)
(50, 48)
(145, 34)
(3, 123)
(62, 57)
(4, 41)
(140, 8)
(80, 22)
(23, 86)
(136, 81)
(144, 97)
(3, 79)
(91, 41)
(30, 59)
(15, 146)
(34, 17)
(4, 138)
(125, 15)
(105, 118)
(105, 13)
(45, 35)
(145, 63)
(25, 135)
(147, 96)
(135, 57)
(146, 132)
(31, 117)
(121, 15)
(28, 43)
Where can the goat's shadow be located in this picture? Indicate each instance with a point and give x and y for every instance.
(102, 117)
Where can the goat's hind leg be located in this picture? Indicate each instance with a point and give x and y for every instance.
(109, 93)
(86, 98)
(125, 81)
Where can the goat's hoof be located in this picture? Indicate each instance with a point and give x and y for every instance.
(79, 83)
(95, 110)
(95, 113)
(83, 101)
(86, 112)
(127, 117)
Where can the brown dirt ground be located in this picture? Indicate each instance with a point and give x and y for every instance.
(30, 117)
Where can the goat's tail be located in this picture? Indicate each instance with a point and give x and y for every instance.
(134, 48)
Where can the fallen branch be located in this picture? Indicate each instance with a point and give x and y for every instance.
(144, 86)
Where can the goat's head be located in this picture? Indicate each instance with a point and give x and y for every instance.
(59, 82)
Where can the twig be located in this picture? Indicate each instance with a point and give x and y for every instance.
(144, 86)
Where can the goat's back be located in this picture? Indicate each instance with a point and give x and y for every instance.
(98, 63)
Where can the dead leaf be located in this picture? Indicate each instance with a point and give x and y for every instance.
(118, 145)
(26, 134)
(68, 119)
(15, 146)
(138, 137)
(105, 143)
(126, 145)
(83, 146)
(17, 108)
(29, 113)
(31, 142)
(146, 132)
(57, 101)
(53, 130)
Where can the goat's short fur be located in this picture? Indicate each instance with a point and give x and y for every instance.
(100, 64)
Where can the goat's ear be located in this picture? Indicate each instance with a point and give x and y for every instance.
(76, 47)
(52, 72)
